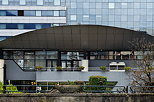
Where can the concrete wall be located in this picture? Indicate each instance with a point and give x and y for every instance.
(1, 70)
(13, 72)
(77, 97)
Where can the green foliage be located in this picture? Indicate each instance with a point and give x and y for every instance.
(127, 69)
(79, 82)
(97, 80)
(81, 67)
(38, 67)
(103, 68)
(10, 87)
(59, 68)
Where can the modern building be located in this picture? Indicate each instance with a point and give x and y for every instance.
(71, 46)
(101, 37)
(19, 16)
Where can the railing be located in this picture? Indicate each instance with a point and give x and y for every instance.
(75, 69)
(84, 88)
(50, 88)
(142, 89)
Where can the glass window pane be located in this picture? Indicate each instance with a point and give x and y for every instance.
(18, 54)
(11, 13)
(56, 2)
(11, 26)
(46, 25)
(62, 13)
(29, 55)
(29, 63)
(22, 2)
(47, 13)
(2, 26)
(38, 13)
(29, 26)
(73, 17)
(38, 26)
(41, 63)
(29, 13)
(40, 54)
(5, 2)
(111, 5)
(39, 2)
(20, 26)
(8, 55)
(52, 55)
(56, 13)
(2, 13)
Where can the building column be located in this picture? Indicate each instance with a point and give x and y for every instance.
(59, 59)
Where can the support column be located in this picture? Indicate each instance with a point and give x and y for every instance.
(59, 58)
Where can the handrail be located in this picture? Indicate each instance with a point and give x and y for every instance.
(85, 88)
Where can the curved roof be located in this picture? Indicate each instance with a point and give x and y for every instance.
(75, 37)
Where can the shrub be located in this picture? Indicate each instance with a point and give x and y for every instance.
(9, 88)
(81, 67)
(96, 80)
(103, 68)
(59, 68)
(127, 69)
(79, 82)
(38, 67)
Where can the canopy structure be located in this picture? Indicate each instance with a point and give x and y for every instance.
(75, 37)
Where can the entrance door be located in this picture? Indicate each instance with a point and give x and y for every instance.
(51, 64)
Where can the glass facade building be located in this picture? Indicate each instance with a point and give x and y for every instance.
(131, 14)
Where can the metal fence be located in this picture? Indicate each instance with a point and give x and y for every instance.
(84, 88)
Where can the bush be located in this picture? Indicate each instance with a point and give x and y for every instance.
(96, 80)
(79, 82)
(103, 68)
(38, 67)
(59, 68)
(81, 67)
(9, 88)
(127, 69)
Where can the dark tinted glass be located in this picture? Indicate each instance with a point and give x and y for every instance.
(29, 26)
(11, 26)
(46, 25)
(11, 13)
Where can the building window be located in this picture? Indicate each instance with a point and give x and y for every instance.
(111, 5)
(29, 13)
(5, 2)
(52, 55)
(22, 2)
(20, 13)
(56, 13)
(47, 13)
(11, 13)
(2, 13)
(56, 2)
(29, 26)
(38, 13)
(62, 13)
(20, 26)
(73, 17)
(11, 26)
(45, 25)
(2, 26)
(39, 2)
